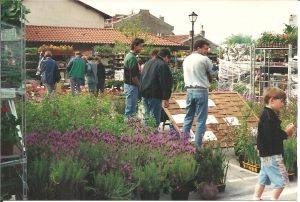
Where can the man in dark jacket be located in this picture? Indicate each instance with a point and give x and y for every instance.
(156, 84)
(49, 72)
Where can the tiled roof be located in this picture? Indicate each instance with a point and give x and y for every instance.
(176, 38)
(85, 35)
(227, 104)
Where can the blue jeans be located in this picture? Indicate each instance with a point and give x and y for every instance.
(152, 107)
(131, 93)
(197, 102)
(75, 83)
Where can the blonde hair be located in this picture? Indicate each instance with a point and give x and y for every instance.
(273, 92)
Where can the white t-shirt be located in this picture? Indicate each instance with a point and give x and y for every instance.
(195, 70)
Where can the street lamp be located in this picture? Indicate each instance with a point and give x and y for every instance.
(193, 17)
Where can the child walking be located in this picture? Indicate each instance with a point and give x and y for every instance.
(270, 145)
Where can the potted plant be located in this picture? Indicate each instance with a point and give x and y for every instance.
(182, 174)
(9, 131)
(112, 186)
(290, 156)
(252, 160)
(212, 166)
(151, 179)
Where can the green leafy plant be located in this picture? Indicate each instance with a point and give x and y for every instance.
(212, 165)
(9, 130)
(251, 154)
(290, 154)
(67, 176)
(13, 12)
(182, 174)
(38, 179)
(31, 50)
(178, 80)
(120, 47)
(151, 178)
(112, 186)
(90, 111)
(103, 49)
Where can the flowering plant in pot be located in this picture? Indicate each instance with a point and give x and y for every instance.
(9, 131)
(182, 174)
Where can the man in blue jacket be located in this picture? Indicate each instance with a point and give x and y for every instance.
(49, 72)
(156, 84)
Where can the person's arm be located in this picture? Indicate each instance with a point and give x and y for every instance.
(69, 66)
(166, 81)
(134, 71)
(210, 72)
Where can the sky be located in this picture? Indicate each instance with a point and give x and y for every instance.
(220, 18)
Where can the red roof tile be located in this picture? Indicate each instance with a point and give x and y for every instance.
(177, 38)
(85, 35)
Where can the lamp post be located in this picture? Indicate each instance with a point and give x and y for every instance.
(193, 17)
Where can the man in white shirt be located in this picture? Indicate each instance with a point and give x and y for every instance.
(197, 72)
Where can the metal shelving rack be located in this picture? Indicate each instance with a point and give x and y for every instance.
(267, 68)
(12, 89)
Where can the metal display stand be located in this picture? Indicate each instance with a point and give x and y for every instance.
(268, 73)
(12, 92)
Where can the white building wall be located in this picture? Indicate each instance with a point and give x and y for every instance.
(66, 13)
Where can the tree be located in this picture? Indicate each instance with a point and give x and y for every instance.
(13, 12)
(238, 39)
(133, 28)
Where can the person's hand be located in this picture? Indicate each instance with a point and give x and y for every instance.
(166, 103)
(290, 129)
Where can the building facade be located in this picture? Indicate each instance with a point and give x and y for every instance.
(64, 13)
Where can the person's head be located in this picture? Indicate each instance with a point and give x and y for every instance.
(154, 52)
(274, 98)
(84, 58)
(90, 58)
(48, 54)
(165, 54)
(98, 60)
(137, 45)
(202, 47)
(78, 53)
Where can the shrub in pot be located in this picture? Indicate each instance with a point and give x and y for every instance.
(151, 179)
(182, 174)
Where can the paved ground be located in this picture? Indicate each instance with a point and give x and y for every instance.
(240, 185)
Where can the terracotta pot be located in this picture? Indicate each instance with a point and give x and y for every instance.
(7, 150)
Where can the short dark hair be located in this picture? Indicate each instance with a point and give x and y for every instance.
(48, 54)
(200, 44)
(164, 52)
(154, 52)
(136, 42)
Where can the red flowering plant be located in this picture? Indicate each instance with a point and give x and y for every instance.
(9, 130)
(35, 93)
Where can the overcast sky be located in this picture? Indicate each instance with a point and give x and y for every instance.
(220, 18)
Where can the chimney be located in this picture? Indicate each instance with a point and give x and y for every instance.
(202, 32)
(162, 18)
(144, 11)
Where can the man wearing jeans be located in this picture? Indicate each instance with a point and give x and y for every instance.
(156, 84)
(131, 77)
(76, 69)
(197, 68)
